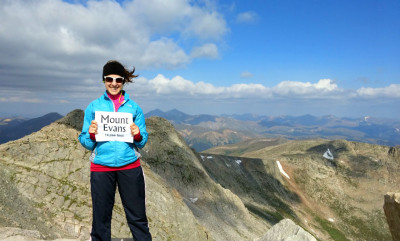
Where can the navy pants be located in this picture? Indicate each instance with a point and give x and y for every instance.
(132, 191)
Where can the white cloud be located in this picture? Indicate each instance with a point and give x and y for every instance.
(178, 86)
(324, 87)
(246, 75)
(20, 97)
(207, 25)
(209, 50)
(164, 52)
(23, 100)
(247, 17)
(391, 91)
(52, 34)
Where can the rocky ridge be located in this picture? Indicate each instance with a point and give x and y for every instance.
(339, 198)
(45, 187)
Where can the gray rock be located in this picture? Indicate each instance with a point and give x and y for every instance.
(287, 230)
(47, 174)
(18, 234)
(392, 212)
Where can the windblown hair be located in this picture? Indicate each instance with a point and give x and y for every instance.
(129, 75)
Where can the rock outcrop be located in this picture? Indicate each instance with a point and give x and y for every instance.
(18, 234)
(218, 209)
(336, 196)
(392, 212)
(395, 152)
(45, 187)
(287, 230)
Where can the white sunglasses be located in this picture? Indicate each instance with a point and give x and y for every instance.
(111, 79)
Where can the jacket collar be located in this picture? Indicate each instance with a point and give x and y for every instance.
(126, 95)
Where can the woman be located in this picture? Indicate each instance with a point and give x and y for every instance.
(116, 163)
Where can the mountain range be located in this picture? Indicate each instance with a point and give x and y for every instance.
(205, 131)
(204, 196)
(202, 132)
(15, 128)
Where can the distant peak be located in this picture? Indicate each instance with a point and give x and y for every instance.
(73, 119)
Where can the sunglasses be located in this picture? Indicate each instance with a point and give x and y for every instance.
(111, 79)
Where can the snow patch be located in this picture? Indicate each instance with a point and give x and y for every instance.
(331, 220)
(238, 162)
(193, 199)
(281, 170)
(328, 155)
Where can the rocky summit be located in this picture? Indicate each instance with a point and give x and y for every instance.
(259, 195)
(45, 191)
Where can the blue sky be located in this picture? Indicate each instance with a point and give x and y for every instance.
(273, 57)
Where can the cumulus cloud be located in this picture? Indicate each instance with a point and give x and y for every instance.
(247, 17)
(324, 87)
(52, 34)
(51, 50)
(178, 86)
(181, 16)
(391, 91)
(209, 50)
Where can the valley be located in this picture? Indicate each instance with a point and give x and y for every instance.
(202, 132)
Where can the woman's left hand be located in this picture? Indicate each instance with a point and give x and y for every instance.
(134, 129)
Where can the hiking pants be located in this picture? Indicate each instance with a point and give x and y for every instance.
(131, 188)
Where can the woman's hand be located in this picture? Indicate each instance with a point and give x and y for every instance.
(134, 129)
(93, 127)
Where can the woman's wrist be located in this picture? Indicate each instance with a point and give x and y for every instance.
(137, 137)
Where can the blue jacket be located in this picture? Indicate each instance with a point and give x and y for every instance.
(113, 153)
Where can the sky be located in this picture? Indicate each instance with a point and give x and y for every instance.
(265, 57)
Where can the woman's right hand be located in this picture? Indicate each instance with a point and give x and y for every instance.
(93, 127)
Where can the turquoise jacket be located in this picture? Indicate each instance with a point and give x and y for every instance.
(113, 153)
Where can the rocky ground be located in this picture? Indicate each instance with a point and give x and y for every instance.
(45, 191)
(45, 188)
(339, 199)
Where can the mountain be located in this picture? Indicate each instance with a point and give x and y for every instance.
(340, 197)
(202, 132)
(175, 116)
(178, 117)
(6, 122)
(203, 196)
(45, 189)
(13, 129)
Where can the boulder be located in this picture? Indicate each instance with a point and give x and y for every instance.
(287, 230)
(392, 212)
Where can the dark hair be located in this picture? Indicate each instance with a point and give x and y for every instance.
(115, 67)
(129, 76)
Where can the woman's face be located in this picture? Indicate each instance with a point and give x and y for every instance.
(113, 87)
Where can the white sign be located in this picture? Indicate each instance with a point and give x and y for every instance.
(113, 126)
